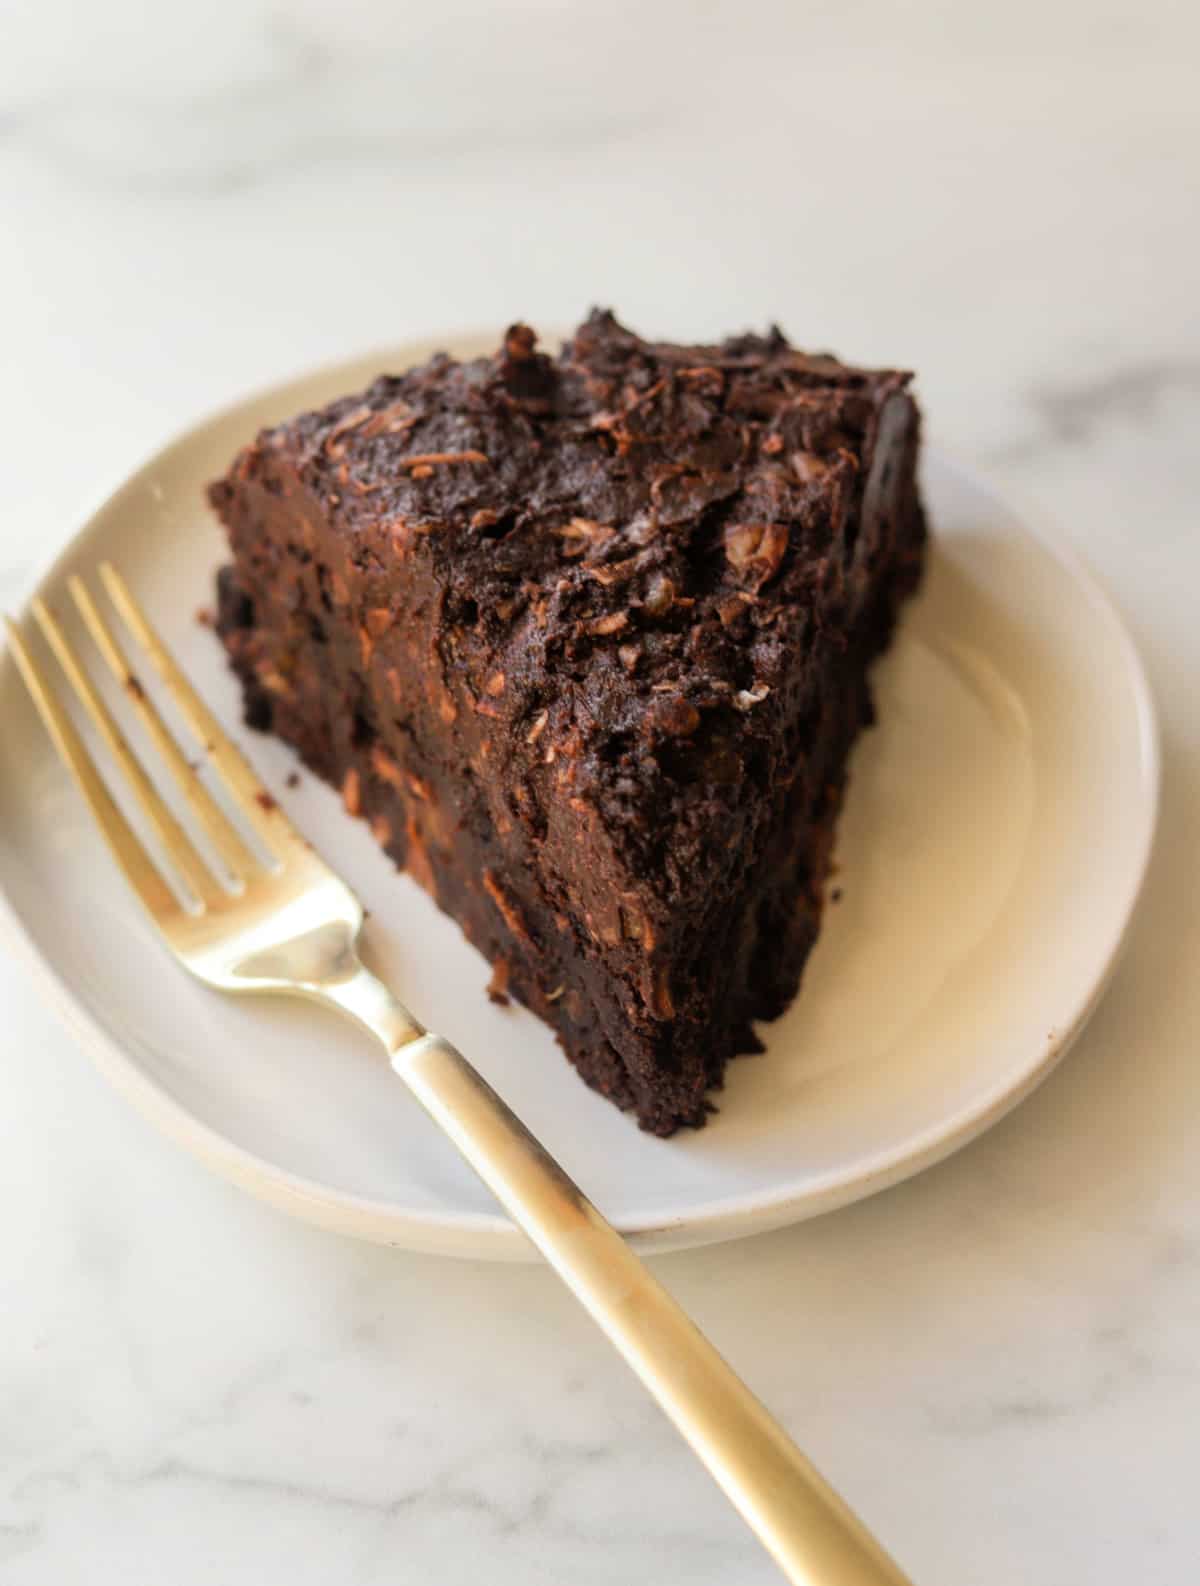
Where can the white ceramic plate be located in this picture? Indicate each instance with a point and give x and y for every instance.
(990, 854)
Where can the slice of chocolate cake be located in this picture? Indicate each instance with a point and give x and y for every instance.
(586, 639)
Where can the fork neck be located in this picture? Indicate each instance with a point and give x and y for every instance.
(365, 998)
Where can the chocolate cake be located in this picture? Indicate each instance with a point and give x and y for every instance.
(586, 639)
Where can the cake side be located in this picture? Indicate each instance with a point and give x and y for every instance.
(587, 641)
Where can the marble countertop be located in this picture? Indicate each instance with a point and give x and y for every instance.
(998, 1361)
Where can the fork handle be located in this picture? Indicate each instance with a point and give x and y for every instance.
(811, 1533)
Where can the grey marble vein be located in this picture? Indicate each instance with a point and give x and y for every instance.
(18, 1539)
(309, 104)
(164, 155)
(1073, 412)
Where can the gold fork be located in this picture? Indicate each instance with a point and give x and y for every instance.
(291, 925)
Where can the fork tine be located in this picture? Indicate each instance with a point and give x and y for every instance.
(237, 857)
(172, 836)
(255, 802)
(138, 868)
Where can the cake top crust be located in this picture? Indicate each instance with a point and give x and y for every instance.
(639, 545)
(639, 438)
(630, 492)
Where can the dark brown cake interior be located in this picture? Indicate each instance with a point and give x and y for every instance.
(587, 640)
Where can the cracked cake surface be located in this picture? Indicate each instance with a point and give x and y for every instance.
(586, 638)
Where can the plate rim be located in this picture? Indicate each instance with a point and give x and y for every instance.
(493, 1235)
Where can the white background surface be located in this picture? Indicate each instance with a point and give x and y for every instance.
(997, 1362)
